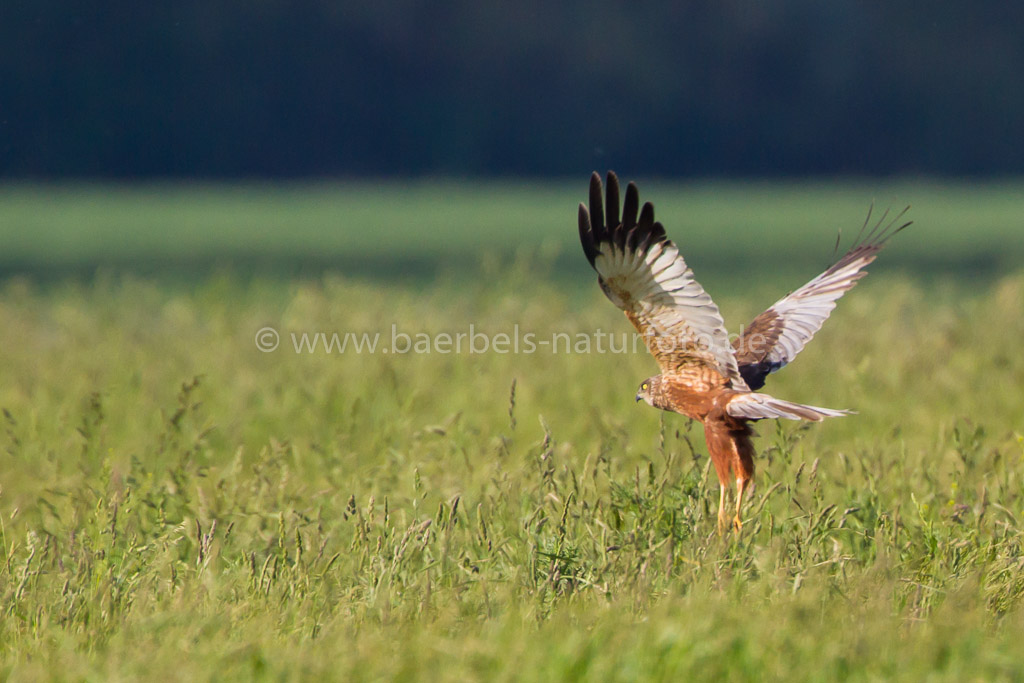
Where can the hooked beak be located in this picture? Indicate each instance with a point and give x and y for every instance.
(639, 397)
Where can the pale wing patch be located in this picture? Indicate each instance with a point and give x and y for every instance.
(803, 312)
(679, 320)
(775, 337)
(762, 406)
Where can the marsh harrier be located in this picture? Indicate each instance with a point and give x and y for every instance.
(703, 376)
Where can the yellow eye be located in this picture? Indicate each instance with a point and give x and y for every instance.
(644, 386)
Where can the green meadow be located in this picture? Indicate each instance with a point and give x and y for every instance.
(183, 499)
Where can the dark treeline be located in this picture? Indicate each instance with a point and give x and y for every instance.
(294, 88)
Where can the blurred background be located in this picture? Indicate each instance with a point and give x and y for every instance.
(274, 89)
(404, 96)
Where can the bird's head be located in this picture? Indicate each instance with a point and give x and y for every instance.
(647, 390)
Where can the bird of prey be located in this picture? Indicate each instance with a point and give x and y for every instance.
(703, 376)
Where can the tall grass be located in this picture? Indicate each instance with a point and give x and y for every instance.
(177, 504)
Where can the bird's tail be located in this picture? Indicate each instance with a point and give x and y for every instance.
(761, 406)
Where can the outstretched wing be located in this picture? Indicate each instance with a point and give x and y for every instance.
(762, 406)
(642, 273)
(776, 336)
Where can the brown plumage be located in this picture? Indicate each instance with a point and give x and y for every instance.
(702, 375)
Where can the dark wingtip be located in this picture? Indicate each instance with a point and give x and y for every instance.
(631, 207)
(658, 233)
(869, 241)
(883, 230)
(630, 238)
(587, 235)
(835, 249)
(889, 231)
(611, 205)
(647, 216)
(596, 207)
(602, 223)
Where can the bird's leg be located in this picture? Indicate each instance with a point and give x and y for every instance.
(741, 485)
(723, 519)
